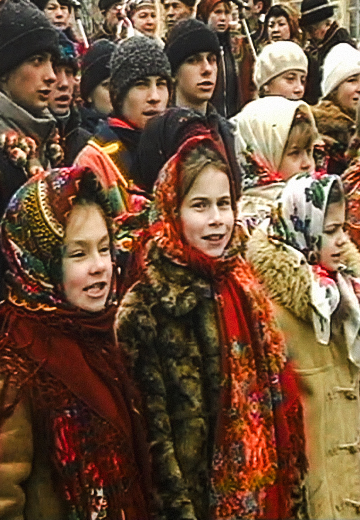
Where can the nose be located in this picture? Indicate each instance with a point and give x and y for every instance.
(59, 12)
(97, 264)
(62, 82)
(49, 76)
(342, 237)
(206, 67)
(154, 94)
(307, 161)
(215, 215)
(299, 88)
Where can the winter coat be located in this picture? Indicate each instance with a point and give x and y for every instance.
(14, 117)
(72, 136)
(316, 56)
(168, 326)
(329, 381)
(336, 127)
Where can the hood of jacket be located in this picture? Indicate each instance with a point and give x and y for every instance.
(15, 117)
(286, 275)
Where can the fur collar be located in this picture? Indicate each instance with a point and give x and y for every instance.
(333, 122)
(177, 287)
(286, 277)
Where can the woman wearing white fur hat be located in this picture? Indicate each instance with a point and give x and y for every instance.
(335, 114)
(280, 70)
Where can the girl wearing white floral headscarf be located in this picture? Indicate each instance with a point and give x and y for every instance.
(274, 139)
(309, 267)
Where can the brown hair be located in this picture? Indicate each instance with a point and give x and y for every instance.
(302, 128)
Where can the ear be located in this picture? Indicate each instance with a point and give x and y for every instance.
(258, 7)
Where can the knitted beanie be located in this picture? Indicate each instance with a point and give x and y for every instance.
(104, 5)
(95, 66)
(188, 37)
(134, 59)
(341, 62)
(276, 58)
(314, 11)
(41, 4)
(68, 55)
(24, 31)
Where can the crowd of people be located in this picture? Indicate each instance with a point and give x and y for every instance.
(179, 265)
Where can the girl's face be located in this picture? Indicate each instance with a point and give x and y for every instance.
(297, 156)
(348, 93)
(87, 265)
(278, 29)
(333, 237)
(289, 84)
(206, 214)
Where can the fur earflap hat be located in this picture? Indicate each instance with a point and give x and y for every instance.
(340, 63)
(188, 37)
(24, 31)
(134, 59)
(277, 58)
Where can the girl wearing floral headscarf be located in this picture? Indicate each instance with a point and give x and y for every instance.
(274, 140)
(71, 445)
(309, 268)
(225, 441)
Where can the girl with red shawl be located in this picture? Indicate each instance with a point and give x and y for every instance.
(224, 421)
(70, 436)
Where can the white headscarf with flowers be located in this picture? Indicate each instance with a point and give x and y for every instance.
(299, 222)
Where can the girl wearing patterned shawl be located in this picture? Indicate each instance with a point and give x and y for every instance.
(226, 441)
(71, 442)
(310, 269)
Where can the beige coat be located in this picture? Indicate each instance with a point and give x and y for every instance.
(329, 382)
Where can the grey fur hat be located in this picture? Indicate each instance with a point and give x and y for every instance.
(134, 59)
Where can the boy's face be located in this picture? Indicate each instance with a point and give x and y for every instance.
(61, 96)
(175, 10)
(57, 14)
(220, 18)
(145, 100)
(29, 85)
(196, 78)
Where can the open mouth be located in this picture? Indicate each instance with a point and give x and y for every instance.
(64, 98)
(44, 93)
(96, 290)
(151, 113)
(214, 237)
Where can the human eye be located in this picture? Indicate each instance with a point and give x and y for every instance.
(224, 203)
(199, 204)
(211, 58)
(161, 82)
(37, 59)
(192, 59)
(141, 83)
(75, 253)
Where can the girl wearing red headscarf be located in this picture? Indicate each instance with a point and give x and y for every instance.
(70, 431)
(226, 441)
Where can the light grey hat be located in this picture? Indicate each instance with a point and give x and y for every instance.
(276, 58)
(341, 62)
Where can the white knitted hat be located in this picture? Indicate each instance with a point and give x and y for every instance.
(340, 63)
(276, 58)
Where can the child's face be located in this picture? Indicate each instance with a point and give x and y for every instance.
(298, 156)
(289, 84)
(206, 214)
(348, 93)
(333, 237)
(87, 265)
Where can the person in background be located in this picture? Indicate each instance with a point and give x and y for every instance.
(60, 14)
(144, 17)
(282, 24)
(323, 33)
(113, 13)
(274, 140)
(62, 107)
(175, 10)
(71, 431)
(217, 15)
(95, 84)
(193, 51)
(281, 70)
(310, 270)
(207, 360)
(140, 85)
(335, 114)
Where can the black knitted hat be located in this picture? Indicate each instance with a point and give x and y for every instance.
(104, 5)
(188, 37)
(134, 59)
(95, 66)
(24, 31)
(314, 11)
(41, 4)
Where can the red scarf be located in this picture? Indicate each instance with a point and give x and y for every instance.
(64, 358)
